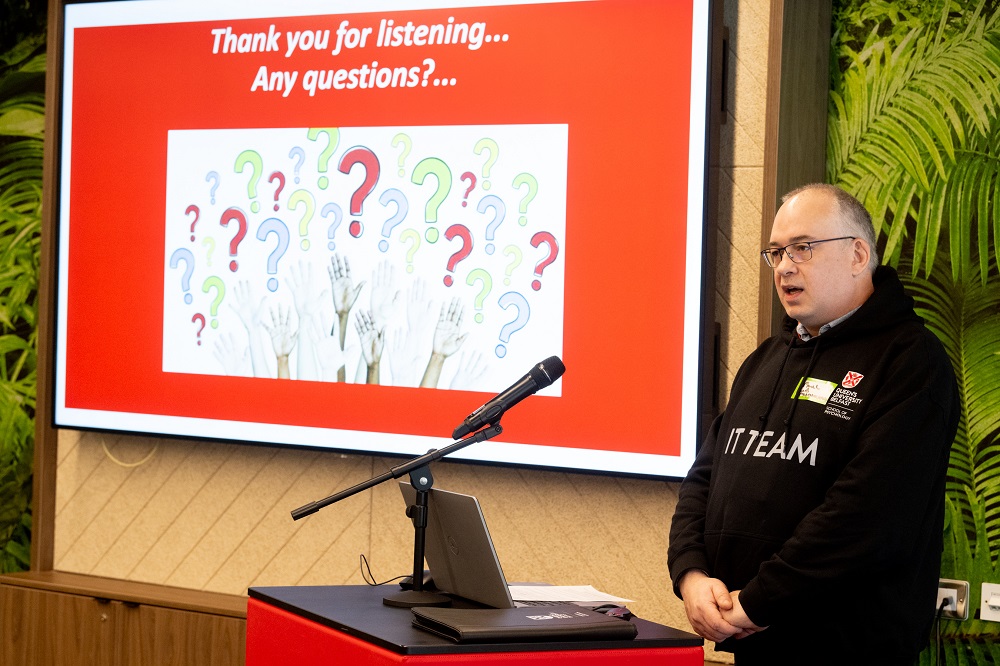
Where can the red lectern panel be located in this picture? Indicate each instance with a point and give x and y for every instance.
(278, 635)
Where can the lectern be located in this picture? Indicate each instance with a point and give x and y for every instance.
(313, 625)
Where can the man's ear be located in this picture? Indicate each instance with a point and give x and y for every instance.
(860, 257)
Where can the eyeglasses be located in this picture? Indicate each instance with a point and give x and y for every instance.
(797, 252)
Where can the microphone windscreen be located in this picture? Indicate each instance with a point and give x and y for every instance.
(547, 371)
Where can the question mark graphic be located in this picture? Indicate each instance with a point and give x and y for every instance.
(499, 212)
(553, 250)
(512, 298)
(402, 208)
(490, 146)
(515, 252)
(273, 225)
(333, 140)
(252, 158)
(463, 252)
(407, 147)
(414, 235)
(199, 317)
(303, 197)
(338, 215)
(299, 155)
(220, 287)
(229, 215)
(197, 213)
(185, 255)
(430, 65)
(480, 275)
(367, 159)
(532, 183)
(471, 177)
(433, 166)
(208, 242)
(212, 176)
(280, 177)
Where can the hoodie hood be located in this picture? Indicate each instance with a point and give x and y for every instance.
(888, 306)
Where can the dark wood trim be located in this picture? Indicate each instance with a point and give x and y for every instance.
(798, 84)
(43, 493)
(147, 594)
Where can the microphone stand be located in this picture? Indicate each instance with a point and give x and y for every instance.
(420, 478)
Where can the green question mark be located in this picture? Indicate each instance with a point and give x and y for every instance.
(333, 140)
(303, 197)
(494, 150)
(209, 243)
(515, 252)
(480, 275)
(407, 147)
(532, 183)
(220, 286)
(252, 158)
(414, 246)
(437, 168)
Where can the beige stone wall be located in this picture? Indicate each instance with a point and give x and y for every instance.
(216, 517)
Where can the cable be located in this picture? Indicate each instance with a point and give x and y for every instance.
(937, 630)
(366, 574)
(126, 465)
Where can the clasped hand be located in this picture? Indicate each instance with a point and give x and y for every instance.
(714, 612)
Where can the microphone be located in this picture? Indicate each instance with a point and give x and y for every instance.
(538, 377)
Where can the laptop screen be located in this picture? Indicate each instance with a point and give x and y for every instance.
(458, 548)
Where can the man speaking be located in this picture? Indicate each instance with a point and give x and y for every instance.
(809, 529)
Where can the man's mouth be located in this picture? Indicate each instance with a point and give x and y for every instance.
(791, 291)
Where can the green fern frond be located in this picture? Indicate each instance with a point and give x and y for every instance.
(965, 318)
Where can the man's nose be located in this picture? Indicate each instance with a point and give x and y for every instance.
(785, 264)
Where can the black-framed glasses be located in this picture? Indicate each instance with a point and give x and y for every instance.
(797, 252)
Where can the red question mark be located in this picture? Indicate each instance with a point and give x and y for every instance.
(197, 213)
(471, 177)
(550, 240)
(365, 157)
(280, 177)
(229, 215)
(199, 317)
(465, 251)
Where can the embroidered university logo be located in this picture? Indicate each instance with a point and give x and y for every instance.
(852, 379)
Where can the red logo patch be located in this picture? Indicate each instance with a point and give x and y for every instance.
(852, 379)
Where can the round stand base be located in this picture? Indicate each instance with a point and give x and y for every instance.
(412, 599)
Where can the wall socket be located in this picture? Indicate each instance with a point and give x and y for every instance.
(957, 592)
(986, 611)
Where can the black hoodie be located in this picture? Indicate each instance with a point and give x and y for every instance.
(819, 491)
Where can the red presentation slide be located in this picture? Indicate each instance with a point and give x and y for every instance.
(349, 229)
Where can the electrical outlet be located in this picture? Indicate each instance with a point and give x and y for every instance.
(957, 592)
(988, 612)
(950, 597)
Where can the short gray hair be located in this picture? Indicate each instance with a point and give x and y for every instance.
(850, 211)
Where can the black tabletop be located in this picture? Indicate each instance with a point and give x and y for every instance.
(358, 610)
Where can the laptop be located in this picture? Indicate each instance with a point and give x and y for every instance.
(460, 553)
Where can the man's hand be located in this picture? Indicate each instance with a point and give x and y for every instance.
(469, 372)
(372, 337)
(246, 306)
(344, 291)
(448, 336)
(736, 616)
(280, 329)
(306, 294)
(705, 601)
(385, 297)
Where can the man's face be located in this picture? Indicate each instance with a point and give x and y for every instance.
(817, 291)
